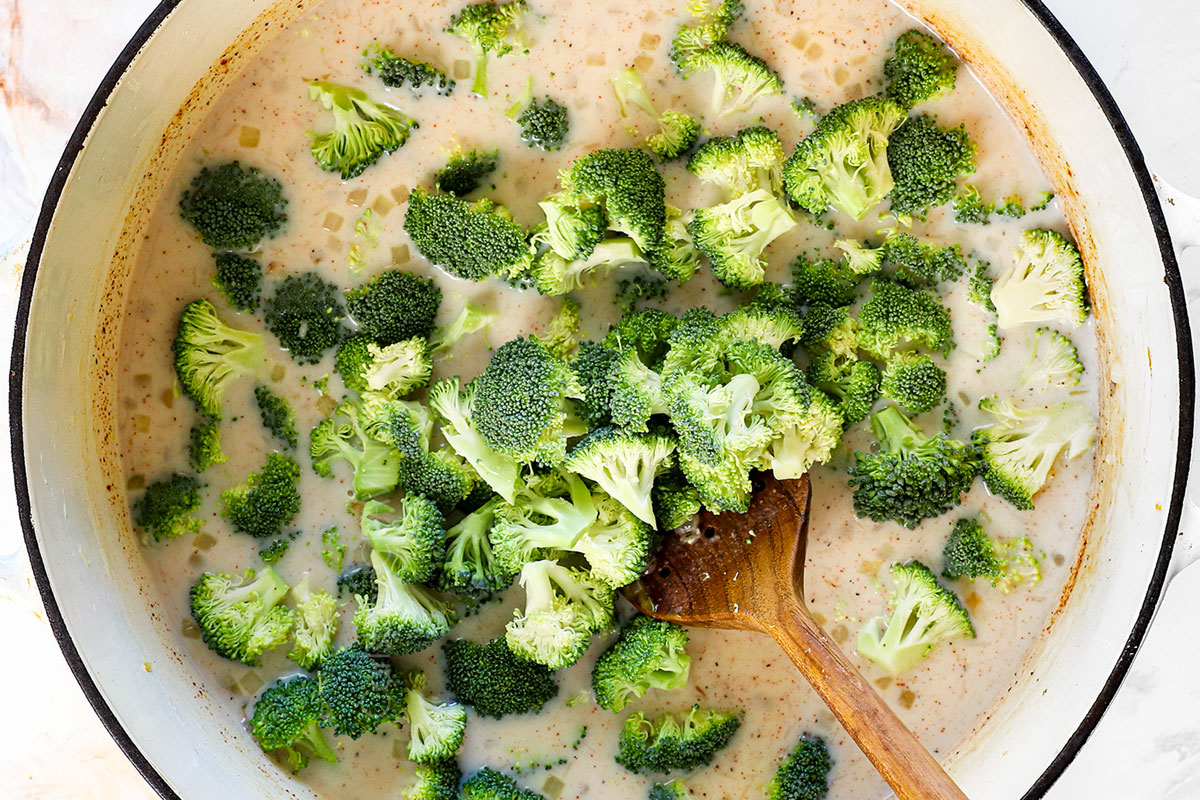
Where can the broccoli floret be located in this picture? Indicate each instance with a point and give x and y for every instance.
(915, 264)
(345, 435)
(553, 275)
(823, 282)
(1013, 206)
(316, 625)
(971, 208)
(469, 240)
(210, 355)
(277, 416)
(398, 369)
(305, 314)
(624, 465)
(628, 187)
(926, 162)
(268, 499)
(767, 324)
(675, 790)
(414, 541)
(749, 160)
(734, 235)
(359, 692)
(333, 552)
(1053, 361)
(545, 124)
(896, 317)
(495, 681)
(843, 162)
(739, 78)
(276, 549)
(617, 545)
(351, 359)
(204, 445)
(913, 476)
(648, 332)
(919, 69)
(550, 512)
(439, 474)
(979, 287)
(572, 230)
(168, 508)
(650, 654)
(239, 278)
(489, 28)
(520, 402)
(829, 329)
(488, 784)
(1020, 447)
(435, 730)
(469, 568)
(437, 781)
(677, 259)
(465, 171)
(591, 369)
(472, 319)
(671, 742)
(233, 207)
(561, 334)
(914, 381)
(287, 718)
(457, 413)
(405, 617)
(675, 501)
(396, 71)
(713, 21)
(923, 614)
(853, 384)
(858, 258)
(395, 305)
(564, 607)
(677, 132)
(1044, 284)
(803, 439)
(804, 773)
(363, 130)
(635, 392)
(242, 620)
(358, 581)
(970, 553)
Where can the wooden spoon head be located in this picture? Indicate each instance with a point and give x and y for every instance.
(731, 570)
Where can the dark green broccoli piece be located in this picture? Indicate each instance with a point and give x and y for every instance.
(913, 476)
(749, 160)
(487, 27)
(564, 608)
(739, 78)
(359, 692)
(648, 332)
(470, 240)
(734, 235)
(650, 654)
(358, 581)
(277, 416)
(168, 508)
(672, 743)
(853, 384)
(439, 474)
(804, 773)
(316, 625)
(591, 369)
(395, 305)
(677, 132)
(405, 617)
(494, 681)
(234, 207)
(675, 501)
(631, 291)
(414, 541)
(823, 282)
(545, 124)
(456, 410)
(830, 329)
(437, 781)
(351, 360)
(239, 278)
(919, 69)
(926, 162)
(363, 130)
(896, 317)
(675, 790)
(242, 620)
(435, 730)
(465, 171)
(305, 314)
(624, 465)
(204, 445)
(627, 185)
(268, 499)
(1012, 206)
(915, 264)
(488, 784)
(210, 355)
(396, 71)
(469, 568)
(923, 613)
(843, 162)
(1044, 284)
(572, 229)
(287, 718)
(971, 208)
(979, 287)
(970, 553)
(345, 434)
(914, 381)
(276, 549)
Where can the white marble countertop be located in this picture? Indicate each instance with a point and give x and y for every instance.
(1146, 747)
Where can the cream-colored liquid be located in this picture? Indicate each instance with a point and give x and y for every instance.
(829, 50)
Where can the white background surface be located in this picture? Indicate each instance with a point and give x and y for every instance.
(53, 54)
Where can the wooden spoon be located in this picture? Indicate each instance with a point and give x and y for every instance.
(746, 572)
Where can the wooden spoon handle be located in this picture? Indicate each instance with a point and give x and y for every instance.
(903, 761)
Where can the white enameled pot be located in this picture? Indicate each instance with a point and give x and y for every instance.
(73, 503)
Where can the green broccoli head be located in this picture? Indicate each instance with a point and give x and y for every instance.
(739, 78)
(1045, 283)
(913, 476)
(469, 568)
(394, 306)
(677, 259)
(650, 654)
(823, 282)
(915, 264)
(346, 434)
(544, 124)
(971, 209)
(677, 131)
(922, 613)
(359, 692)
(1053, 361)
(749, 160)
(316, 625)
(204, 445)
(488, 784)
(572, 230)
(914, 380)
(591, 369)
(896, 317)
(305, 314)
(831, 329)
(553, 275)
(494, 681)
(489, 28)
(551, 511)
(405, 617)
(267, 501)
(648, 332)
(441, 475)
(617, 545)
(469, 240)
(630, 189)
(564, 608)
(675, 500)
(843, 162)
(858, 258)
(969, 552)
(234, 207)
(437, 781)
(168, 507)
(241, 620)
(918, 69)
(769, 324)
(926, 162)
(635, 392)
(397, 369)
(397, 71)
(624, 465)
(561, 333)
(464, 172)
(804, 773)
(210, 355)
(414, 540)
(239, 279)
(363, 130)
(852, 384)
(435, 730)
(287, 718)
(277, 416)
(675, 790)
(734, 235)
(456, 410)
(351, 360)
(672, 742)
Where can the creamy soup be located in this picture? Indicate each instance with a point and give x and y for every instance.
(831, 51)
